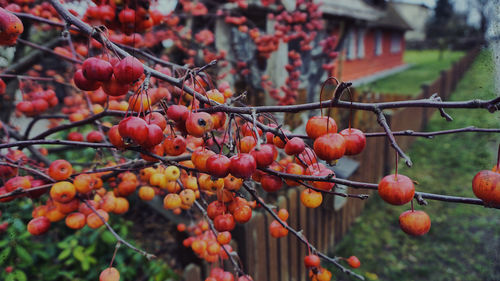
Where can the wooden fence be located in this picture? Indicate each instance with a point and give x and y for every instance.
(271, 259)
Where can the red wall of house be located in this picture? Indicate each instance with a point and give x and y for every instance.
(349, 70)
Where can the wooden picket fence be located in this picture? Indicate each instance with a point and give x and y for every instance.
(271, 259)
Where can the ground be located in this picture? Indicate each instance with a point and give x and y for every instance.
(426, 66)
(464, 240)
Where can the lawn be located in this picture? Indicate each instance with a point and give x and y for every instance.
(464, 240)
(425, 68)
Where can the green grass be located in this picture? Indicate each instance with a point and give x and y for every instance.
(464, 240)
(425, 68)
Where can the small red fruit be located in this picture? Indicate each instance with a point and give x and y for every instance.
(197, 124)
(75, 136)
(83, 83)
(243, 165)
(218, 165)
(109, 274)
(415, 222)
(95, 136)
(263, 156)
(330, 147)
(224, 222)
(271, 183)
(60, 169)
(396, 189)
(38, 226)
(134, 129)
(317, 126)
(128, 70)
(353, 262)
(486, 186)
(312, 261)
(97, 69)
(295, 146)
(174, 145)
(355, 141)
(242, 214)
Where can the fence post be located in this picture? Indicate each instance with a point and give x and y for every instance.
(454, 78)
(425, 94)
(443, 92)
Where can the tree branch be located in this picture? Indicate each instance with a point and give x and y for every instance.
(383, 123)
(299, 235)
(118, 237)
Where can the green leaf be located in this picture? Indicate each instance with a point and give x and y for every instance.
(43, 254)
(24, 235)
(64, 254)
(16, 275)
(24, 255)
(85, 265)
(3, 243)
(78, 253)
(108, 238)
(5, 254)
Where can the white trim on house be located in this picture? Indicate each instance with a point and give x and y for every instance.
(361, 43)
(378, 42)
(350, 45)
(395, 42)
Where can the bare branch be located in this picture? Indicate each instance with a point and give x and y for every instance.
(383, 123)
(118, 237)
(300, 236)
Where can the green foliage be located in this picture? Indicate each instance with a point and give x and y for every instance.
(425, 68)
(65, 254)
(464, 240)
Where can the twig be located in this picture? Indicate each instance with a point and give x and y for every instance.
(55, 142)
(118, 237)
(383, 123)
(28, 169)
(20, 191)
(33, 150)
(346, 195)
(441, 110)
(42, 48)
(40, 117)
(374, 186)
(299, 235)
(435, 133)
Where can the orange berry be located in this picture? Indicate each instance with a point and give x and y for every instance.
(60, 170)
(63, 191)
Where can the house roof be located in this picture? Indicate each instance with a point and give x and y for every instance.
(386, 16)
(350, 8)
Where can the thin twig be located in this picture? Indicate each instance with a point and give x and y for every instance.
(118, 237)
(297, 234)
(383, 123)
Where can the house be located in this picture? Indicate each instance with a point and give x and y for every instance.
(370, 42)
(416, 15)
(372, 38)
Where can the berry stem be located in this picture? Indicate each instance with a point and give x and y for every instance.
(350, 108)
(118, 244)
(498, 159)
(397, 161)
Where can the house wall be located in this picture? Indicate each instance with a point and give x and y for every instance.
(352, 69)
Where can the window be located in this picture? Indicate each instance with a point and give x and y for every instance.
(361, 43)
(378, 42)
(350, 44)
(395, 42)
